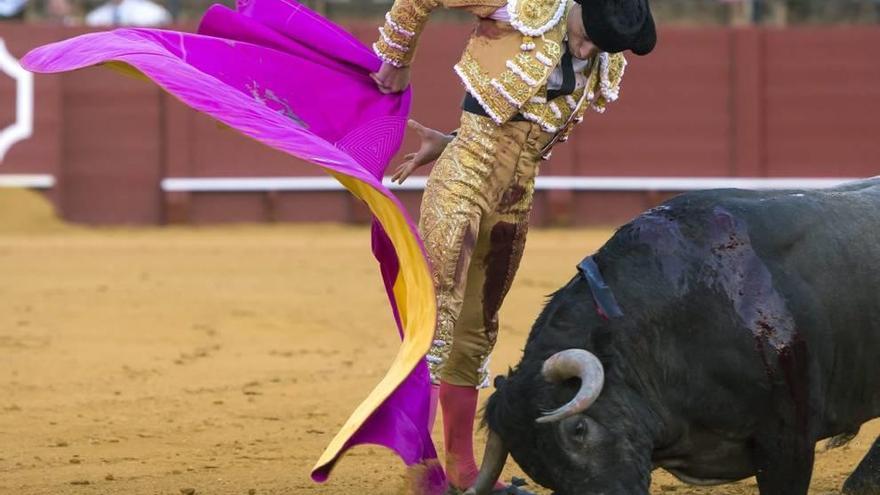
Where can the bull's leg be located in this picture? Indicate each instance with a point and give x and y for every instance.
(865, 480)
(784, 462)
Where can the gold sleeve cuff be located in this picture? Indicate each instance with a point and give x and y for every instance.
(397, 40)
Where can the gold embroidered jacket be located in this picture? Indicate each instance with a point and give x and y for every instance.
(502, 70)
(560, 115)
(506, 68)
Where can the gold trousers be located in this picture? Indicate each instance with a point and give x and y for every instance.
(474, 220)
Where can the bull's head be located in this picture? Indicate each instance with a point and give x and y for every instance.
(596, 443)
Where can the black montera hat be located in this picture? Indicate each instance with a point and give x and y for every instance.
(619, 25)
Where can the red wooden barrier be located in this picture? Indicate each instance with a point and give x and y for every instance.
(708, 103)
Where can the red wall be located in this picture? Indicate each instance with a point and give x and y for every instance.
(708, 102)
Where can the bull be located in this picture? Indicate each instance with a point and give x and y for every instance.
(748, 331)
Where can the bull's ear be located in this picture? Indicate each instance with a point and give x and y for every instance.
(499, 382)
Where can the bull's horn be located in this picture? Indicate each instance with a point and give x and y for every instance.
(574, 363)
(490, 470)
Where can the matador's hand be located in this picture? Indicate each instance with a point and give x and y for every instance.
(433, 144)
(391, 79)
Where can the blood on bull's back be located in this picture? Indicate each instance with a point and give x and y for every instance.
(749, 332)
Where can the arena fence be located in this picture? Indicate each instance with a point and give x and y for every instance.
(27, 181)
(712, 107)
(677, 184)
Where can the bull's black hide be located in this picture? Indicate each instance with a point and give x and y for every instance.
(751, 330)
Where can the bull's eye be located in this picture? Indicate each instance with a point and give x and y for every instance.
(577, 437)
(577, 433)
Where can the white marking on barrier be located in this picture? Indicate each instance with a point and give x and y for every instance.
(685, 183)
(33, 181)
(549, 183)
(23, 126)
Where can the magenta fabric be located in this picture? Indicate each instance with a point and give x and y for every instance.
(281, 74)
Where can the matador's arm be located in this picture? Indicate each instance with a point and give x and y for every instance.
(406, 20)
(403, 26)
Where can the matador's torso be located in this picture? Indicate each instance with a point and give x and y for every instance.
(506, 69)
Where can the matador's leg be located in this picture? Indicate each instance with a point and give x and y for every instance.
(498, 247)
(495, 258)
(495, 261)
(465, 184)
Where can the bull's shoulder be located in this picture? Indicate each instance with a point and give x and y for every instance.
(775, 224)
(677, 224)
(686, 228)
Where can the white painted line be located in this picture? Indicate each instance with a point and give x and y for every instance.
(251, 184)
(32, 181)
(685, 183)
(24, 102)
(548, 183)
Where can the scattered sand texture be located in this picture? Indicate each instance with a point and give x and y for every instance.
(220, 361)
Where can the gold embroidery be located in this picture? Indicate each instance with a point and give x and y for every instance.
(503, 93)
(561, 115)
(536, 17)
(532, 71)
(476, 185)
(394, 38)
(403, 25)
(397, 27)
(514, 89)
(479, 85)
(454, 197)
(389, 54)
(552, 50)
(603, 85)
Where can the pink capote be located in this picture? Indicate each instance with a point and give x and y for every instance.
(281, 74)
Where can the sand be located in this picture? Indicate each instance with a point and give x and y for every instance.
(221, 360)
(23, 211)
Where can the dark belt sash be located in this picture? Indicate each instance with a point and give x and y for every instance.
(471, 105)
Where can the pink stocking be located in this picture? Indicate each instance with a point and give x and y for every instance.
(459, 406)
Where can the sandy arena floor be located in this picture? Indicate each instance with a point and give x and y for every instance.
(220, 360)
